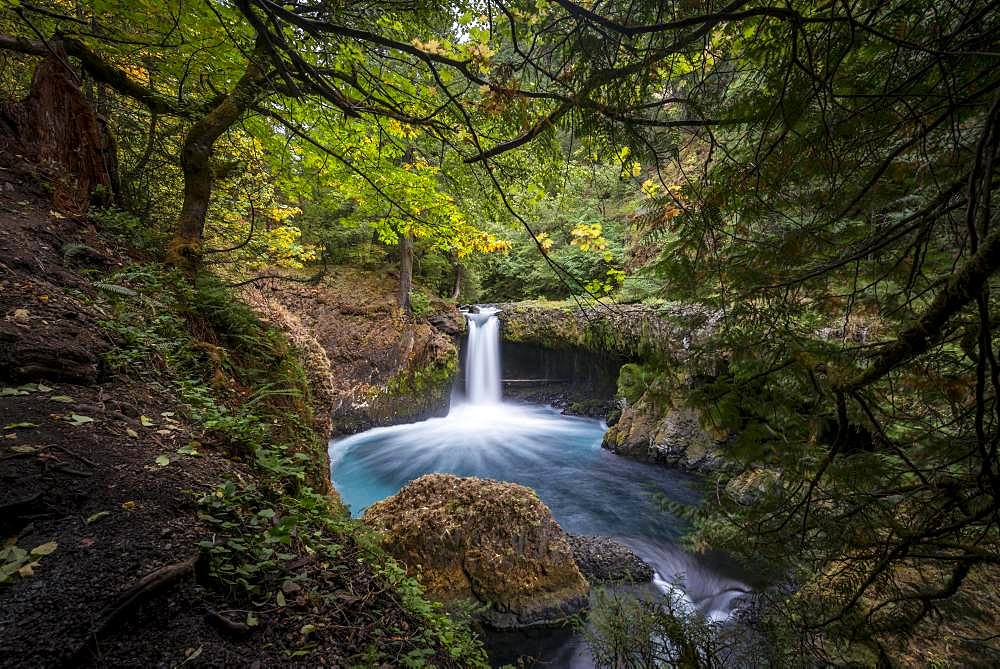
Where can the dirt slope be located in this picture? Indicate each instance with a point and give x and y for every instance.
(95, 495)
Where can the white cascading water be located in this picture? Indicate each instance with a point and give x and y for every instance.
(482, 363)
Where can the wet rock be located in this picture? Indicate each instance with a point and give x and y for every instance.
(672, 437)
(487, 542)
(450, 322)
(604, 560)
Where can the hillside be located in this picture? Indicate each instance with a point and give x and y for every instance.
(164, 504)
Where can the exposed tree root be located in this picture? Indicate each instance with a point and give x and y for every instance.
(148, 586)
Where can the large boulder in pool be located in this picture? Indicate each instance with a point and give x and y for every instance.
(484, 541)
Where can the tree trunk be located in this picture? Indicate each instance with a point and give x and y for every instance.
(185, 248)
(458, 281)
(405, 271)
(59, 132)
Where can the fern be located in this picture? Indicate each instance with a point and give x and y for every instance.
(74, 249)
(116, 289)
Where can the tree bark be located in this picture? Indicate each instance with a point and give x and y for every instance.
(962, 288)
(459, 271)
(60, 133)
(405, 271)
(186, 246)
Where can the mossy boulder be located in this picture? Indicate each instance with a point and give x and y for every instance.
(671, 434)
(491, 543)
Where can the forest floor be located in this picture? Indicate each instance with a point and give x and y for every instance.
(100, 479)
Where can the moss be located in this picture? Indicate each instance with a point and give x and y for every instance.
(487, 541)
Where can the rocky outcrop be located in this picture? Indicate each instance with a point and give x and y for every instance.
(633, 331)
(604, 560)
(487, 542)
(672, 342)
(383, 367)
(671, 435)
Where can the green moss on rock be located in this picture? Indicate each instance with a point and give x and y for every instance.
(489, 542)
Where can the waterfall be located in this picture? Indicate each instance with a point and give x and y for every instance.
(482, 362)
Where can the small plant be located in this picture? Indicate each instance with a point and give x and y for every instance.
(420, 303)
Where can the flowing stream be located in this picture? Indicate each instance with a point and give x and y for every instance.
(589, 489)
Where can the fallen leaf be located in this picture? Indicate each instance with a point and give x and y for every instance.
(132, 433)
(61, 398)
(190, 449)
(280, 598)
(129, 505)
(252, 620)
(27, 570)
(78, 419)
(146, 421)
(44, 549)
(163, 460)
(166, 414)
(307, 629)
(96, 517)
(22, 316)
(23, 448)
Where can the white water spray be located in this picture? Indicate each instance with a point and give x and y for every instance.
(482, 363)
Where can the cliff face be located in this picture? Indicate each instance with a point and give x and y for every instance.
(380, 366)
(666, 351)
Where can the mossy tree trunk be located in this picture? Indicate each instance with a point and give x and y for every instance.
(186, 246)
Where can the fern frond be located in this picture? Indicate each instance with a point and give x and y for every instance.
(116, 289)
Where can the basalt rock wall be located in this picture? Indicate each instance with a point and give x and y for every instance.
(656, 353)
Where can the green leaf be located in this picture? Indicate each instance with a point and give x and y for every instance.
(190, 449)
(12, 426)
(146, 421)
(280, 598)
(163, 460)
(96, 517)
(252, 620)
(79, 419)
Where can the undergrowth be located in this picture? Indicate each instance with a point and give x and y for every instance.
(280, 539)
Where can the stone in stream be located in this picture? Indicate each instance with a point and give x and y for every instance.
(604, 560)
(487, 542)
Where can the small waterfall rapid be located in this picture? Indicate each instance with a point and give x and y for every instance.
(482, 364)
